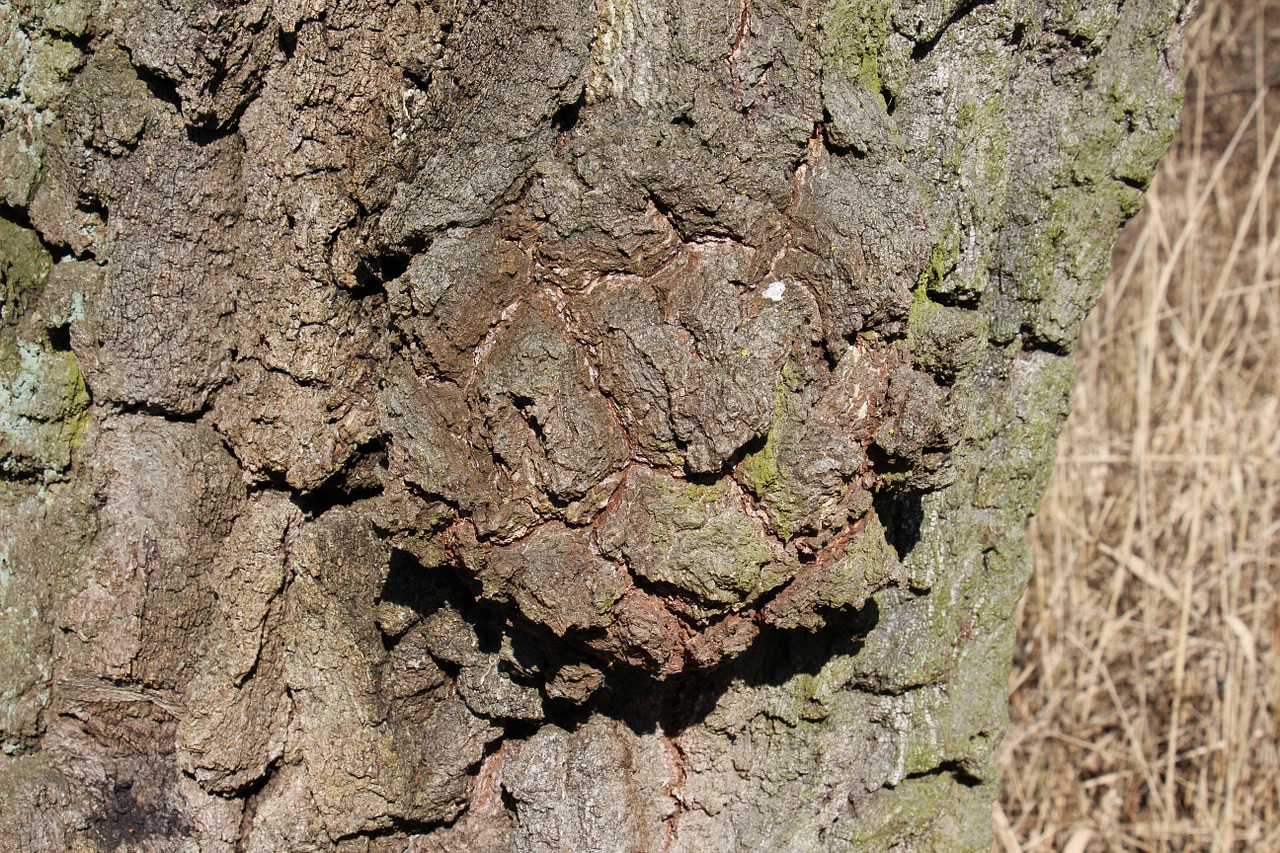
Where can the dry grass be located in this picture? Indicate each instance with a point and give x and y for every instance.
(1146, 688)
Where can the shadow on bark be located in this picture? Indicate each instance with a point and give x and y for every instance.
(528, 654)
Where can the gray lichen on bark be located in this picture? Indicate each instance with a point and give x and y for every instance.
(529, 426)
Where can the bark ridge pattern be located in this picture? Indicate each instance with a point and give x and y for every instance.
(477, 425)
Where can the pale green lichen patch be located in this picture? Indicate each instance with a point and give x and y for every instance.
(43, 397)
(867, 566)
(67, 17)
(853, 37)
(694, 538)
(52, 64)
(919, 814)
(913, 647)
(1024, 431)
(1087, 23)
(811, 697)
(855, 94)
(809, 474)
(971, 555)
(765, 474)
(766, 477)
(944, 341)
(1060, 264)
(24, 268)
(43, 409)
(938, 729)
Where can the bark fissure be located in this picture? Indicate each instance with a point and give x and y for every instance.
(612, 430)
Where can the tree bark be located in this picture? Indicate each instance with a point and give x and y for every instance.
(549, 425)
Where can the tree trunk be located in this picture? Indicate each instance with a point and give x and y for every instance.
(550, 425)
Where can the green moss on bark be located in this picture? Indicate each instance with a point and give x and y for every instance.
(853, 37)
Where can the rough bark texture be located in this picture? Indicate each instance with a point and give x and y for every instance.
(529, 426)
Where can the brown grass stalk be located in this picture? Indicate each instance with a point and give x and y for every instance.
(1145, 690)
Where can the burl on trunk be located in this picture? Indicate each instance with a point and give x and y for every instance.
(553, 425)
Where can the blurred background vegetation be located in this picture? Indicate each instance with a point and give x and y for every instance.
(1145, 689)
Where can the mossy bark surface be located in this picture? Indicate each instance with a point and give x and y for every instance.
(505, 426)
